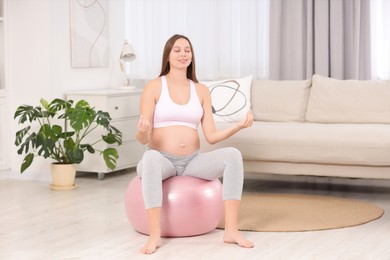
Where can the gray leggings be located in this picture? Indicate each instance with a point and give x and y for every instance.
(156, 166)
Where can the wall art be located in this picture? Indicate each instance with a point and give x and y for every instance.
(89, 33)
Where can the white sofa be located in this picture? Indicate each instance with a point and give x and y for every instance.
(321, 127)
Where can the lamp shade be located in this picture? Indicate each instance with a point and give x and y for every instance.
(127, 53)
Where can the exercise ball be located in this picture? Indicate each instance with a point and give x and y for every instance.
(190, 207)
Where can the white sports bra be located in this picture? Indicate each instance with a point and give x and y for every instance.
(168, 113)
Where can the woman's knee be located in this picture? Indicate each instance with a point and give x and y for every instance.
(149, 158)
(233, 161)
(233, 153)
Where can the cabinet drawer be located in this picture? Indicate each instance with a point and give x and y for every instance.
(128, 128)
(120, 107)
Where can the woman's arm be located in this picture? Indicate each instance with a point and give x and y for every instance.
(211, 134)
(147, 106)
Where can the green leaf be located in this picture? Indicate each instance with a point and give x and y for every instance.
(114, 136)
(110, 156)
(75, 156)
(111, 138)
(59, 104)
(88, 147)
(82, 104)
(44, 103)
(46, 140)
(56, 132)
(112, 128)
(20, 134)
(45, 146)
(50, 132)
(103, 118)
(45, 114)
(26, 162)
(66, 135)
(80, 118)
(69, 144)
(30, 140)
(26, 112)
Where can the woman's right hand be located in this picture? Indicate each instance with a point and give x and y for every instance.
(144, 129)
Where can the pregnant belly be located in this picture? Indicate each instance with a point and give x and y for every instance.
(178, 140)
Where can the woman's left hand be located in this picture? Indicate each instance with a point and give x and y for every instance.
(248, 121)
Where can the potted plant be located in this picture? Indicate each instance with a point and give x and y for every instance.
(59, 130)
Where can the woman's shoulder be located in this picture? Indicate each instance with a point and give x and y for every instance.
(152, 88)
(201, 87)
(153, 84)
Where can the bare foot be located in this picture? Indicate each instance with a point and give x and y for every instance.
(151, 245)
(235, 237)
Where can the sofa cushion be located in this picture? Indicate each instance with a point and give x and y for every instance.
(348, 101)
(230, 98)
(280, 101)
(342, 144)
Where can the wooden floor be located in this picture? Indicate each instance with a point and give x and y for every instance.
(90, 223)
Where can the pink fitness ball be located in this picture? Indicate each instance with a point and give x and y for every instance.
(191, 206)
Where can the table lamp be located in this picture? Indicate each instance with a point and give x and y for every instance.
(127, 55)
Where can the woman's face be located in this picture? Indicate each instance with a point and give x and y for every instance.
(181, 55)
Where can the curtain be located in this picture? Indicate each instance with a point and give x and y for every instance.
(380, 27)
(326, 37)
(230, 37)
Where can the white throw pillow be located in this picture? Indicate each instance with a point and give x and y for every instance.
(230, 98)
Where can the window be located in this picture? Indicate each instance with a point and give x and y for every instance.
(380, 39)
(230, 37)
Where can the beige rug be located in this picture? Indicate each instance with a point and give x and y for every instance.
(294, 212)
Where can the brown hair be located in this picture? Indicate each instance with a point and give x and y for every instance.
(165, 67)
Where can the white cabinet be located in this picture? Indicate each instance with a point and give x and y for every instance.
(123, 107)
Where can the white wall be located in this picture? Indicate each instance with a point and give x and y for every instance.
(39, 62)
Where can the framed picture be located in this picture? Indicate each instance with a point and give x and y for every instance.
(89, 33)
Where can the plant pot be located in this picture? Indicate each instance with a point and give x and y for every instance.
(63, 176)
